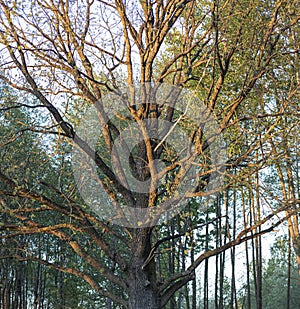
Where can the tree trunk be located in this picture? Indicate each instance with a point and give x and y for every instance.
(142, 280)
(288, 296)
(142, 294)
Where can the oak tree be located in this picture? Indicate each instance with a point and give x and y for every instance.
(114, 57)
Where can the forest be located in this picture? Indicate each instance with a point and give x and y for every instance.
(149, 154)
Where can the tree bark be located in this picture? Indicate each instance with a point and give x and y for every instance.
(142, 293)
